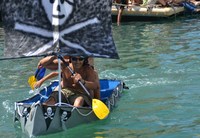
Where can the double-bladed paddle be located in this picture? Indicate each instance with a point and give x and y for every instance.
(39, 74)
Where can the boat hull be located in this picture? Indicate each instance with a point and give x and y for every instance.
(38, 119)
(39, 122)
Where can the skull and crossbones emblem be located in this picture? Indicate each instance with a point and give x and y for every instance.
(64, 116)
(57, 15)
(25, 112)
(49, 113)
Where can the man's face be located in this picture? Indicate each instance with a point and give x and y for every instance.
(77, 62)
(57, 10)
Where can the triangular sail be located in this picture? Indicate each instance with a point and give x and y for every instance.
(84, 28)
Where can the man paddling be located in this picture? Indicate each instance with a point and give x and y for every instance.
(72, 92)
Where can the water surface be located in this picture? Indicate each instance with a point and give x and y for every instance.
(159, 61)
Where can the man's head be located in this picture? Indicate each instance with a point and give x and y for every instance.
(78, 62)
(58, 10)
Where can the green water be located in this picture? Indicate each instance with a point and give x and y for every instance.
(159, 61)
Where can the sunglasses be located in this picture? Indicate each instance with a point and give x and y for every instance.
(75, 59)
(61, 1)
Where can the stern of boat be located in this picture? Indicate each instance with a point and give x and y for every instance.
(111, 91)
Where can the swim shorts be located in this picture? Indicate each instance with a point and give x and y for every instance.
(72, 94)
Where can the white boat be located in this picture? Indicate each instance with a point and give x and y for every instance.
(147, 13)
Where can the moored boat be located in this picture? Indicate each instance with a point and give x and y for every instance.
(38, 119)
(146, 13)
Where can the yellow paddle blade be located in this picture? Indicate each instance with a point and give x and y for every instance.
(31, 81)
(100, 109)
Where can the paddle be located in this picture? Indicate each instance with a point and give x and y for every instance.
(39, 74)
(99, 108)
(31, 81)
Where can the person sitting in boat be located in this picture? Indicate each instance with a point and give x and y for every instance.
(55, 74)
(72, 92)
(190, 5)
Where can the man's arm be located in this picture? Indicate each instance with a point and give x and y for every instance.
(49, 76)
(49, 62)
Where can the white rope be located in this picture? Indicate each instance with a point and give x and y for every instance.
(64, 104)
(73, 108)
(116, 92)
(82, 113)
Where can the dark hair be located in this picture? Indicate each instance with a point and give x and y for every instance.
(85, 62)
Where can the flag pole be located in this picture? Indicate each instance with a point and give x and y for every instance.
(56, 36)
(59, 78)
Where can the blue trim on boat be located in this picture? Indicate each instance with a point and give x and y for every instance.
(107, 88)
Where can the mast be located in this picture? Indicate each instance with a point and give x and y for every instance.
(56, 36)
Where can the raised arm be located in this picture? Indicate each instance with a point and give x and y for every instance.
(51, 62)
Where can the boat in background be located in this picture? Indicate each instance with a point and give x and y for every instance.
(38, 119)
(145, 13)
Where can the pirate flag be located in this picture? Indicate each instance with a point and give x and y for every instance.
(69, 27)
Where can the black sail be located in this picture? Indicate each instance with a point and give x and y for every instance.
(70, 27)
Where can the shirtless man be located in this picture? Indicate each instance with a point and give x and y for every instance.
(71, 89)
